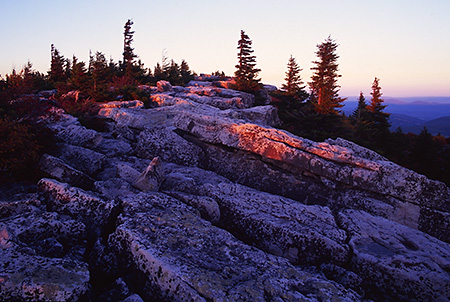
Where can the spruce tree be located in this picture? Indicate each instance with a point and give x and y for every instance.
(186, 73)
(132, 72)
(361, 121)
(376, 107)
(376, 102)
(79, 78)
(361, 108)
(246, 73)
(324, 87)
(294, 83)
(173, 72)
(100, 77)
(57, 71)
(158, 73)
(128, 54)
(379, 120)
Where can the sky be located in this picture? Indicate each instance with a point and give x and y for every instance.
(404, 43)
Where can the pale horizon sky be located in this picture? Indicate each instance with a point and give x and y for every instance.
(405, 44)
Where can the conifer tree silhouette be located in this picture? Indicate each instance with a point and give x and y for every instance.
(324, 87)
(294, 83)
(246, 73)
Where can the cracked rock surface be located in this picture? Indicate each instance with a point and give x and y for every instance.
(183, 257)
(202, 199)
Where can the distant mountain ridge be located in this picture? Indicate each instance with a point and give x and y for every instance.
(411, 124)
(440, 125)
(433, 100)
(417, 100)
(413, 113)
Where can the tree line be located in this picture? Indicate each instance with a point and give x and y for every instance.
(100, 79)
(316, 114)
(311, 110)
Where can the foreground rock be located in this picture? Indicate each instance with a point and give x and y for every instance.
(87, 207)
(283, 227)
(397, 261)
(181, 257)
(41, 259)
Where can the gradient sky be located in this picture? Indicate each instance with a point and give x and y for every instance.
(405, 43)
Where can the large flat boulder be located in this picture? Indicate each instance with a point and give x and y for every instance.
(337, 164)
(333, 161)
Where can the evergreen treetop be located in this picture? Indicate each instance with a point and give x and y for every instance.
(294, 83)
(323, 85)
(128, 54)
(246, 73)
(376, 102)
(100, 77)
(375, 109)
(361, 108)
(79, 78)
(58, 65)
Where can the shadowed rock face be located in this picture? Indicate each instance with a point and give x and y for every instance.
(232, 210)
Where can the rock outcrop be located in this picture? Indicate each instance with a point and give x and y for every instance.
(405, 263)
(184, 258)
(40, 258)
(336, 163)
(203, 199)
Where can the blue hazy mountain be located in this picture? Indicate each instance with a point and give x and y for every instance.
(406, 122)
(412, 114)
(440, 125)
